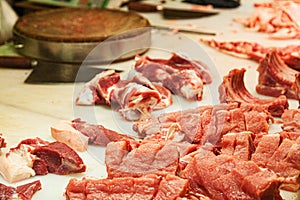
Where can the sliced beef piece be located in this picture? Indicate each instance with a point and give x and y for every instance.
(233, 89)
(98, 134)
(291, 120)
(275, 77)
(150, 157)
(97, 90)
(226, 177)
(22, 192)
(141, 188)
(60, 158)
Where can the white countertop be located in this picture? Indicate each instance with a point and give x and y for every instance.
(28, 110)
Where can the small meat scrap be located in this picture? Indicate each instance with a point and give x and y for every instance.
(149, 187)
(124, 159)
(276, 78)
(180, 75)
(291, 120)
(226, 177)
(278, 18)
(98, 134)
(257, 52)
(2, 143)
(233, 89)
(22, 192)
(205, 123)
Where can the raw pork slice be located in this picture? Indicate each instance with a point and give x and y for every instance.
(291, 120)
(149, 187)
(233, 89)
(22, 192)
(180, 75)
(226, 177)
(2, 143)
(276, 78)
(123, 159)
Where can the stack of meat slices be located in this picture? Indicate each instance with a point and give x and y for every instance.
(148, 88)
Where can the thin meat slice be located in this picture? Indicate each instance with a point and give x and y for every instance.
(2, 143)
(22, 192)
(275, 77)
(97, 134)
(291, 120)
(233, 89)
(152, 157)
(142, 188)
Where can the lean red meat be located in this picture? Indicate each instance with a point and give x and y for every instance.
(233, 89)
(280, 19)
(180, 75)
(252, 50)
(22, 192)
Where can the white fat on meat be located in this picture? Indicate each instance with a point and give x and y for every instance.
(194, 88)
(64, 132)
(17, 164)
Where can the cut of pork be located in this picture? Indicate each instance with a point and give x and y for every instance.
(149, 187)
(22, 192)
(291, 120)
(153, 157)
(2, 143)
(276, 78)
(233, 89)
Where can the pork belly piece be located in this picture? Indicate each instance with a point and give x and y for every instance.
(226, 177)
(291, 120)
(64, 132)
(204, 123)
(152, 157)
(233, 89)
(59, 159)
(141, 188)
(180, 75)
(275, 77)
(98, 134)
(22, 192)
(97, 90)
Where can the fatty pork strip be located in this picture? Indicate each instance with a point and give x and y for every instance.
(278, 152)
(278, 18)
(22, 192)
(205, 123)
(38, 157)
(180, 75)
(233, 89)
(149, 187)
(252, 50)
(276, 78)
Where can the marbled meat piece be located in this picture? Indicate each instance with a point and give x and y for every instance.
(275, 77)
(226, 177)
(233, 89)
(180, 75)
(124, 159)
(59, 158)
(98, 134)
(291, 120)
(22, 192)
(147, 187)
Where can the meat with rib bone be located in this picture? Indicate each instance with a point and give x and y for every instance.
(149, 187)
(252, 50)
(276, 78)
(205, 123)
(182, 76)
(22, 192)
(233, 89)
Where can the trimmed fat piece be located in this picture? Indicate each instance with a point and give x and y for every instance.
(233, 89)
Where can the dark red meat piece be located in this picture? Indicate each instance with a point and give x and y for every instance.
(25, 192)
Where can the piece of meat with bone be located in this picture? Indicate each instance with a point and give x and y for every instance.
(276, 78)
(180, 75)
(149, 187)
(22, 192)
(98, 134)
(205, 123)
(98, 90)
(124, 159)
(226, 177)
(255, 51)
(233, 89)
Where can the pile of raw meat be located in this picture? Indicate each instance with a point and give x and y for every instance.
(279, 18)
